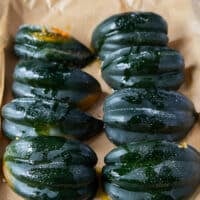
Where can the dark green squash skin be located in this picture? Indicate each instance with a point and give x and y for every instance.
(28, 117)
(144, 66)
(131, 28)
(45, 168)
(121, 40)
(152, 170)
(139, 114)
(69, 51)
(35, 78)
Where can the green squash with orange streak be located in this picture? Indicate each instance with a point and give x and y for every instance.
(47, 80)
(39, 42)
(29, 117)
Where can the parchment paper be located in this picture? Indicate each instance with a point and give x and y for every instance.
(80, 17)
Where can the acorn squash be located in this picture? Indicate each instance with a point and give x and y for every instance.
(144, 66)
(45, 168)
(35, 78)
(140, 114)
(55, 45)
(153, 170)
(129, 29)
(26, 117)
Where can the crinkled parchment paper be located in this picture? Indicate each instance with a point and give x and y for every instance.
(80, 18)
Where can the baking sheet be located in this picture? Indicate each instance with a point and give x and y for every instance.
(80, 17)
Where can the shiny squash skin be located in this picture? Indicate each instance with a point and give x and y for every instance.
(139, 114)
(129, 29)
(28, 117)
(38, 42)
(36, 78)
(145, 67)
(50, 168)
(153, 170)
